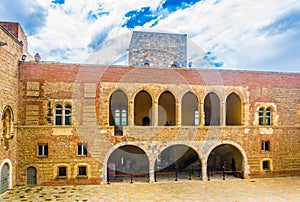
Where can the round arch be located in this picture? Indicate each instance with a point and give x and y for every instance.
(118, 103)
(125, 159)
(234, 109)
(212, 109)
(143, 108)
(10, 171)
(189, 109)
(167, 108)
(241, 156)
(180, 158)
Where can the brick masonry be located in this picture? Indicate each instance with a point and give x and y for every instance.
(32, 90)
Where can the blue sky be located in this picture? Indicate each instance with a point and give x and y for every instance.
(232, 34)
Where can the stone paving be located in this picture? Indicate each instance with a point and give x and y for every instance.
(231, 189)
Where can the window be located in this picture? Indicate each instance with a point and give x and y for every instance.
(117, 117)
(68, 115)
(62, 172)
(82, 149)
(264, 116)
(266, 165)
(120, 117)
(268, 116)
(43, 150)
(58, 115)
(265, 145)
(82, 171)
(196, 123)
(124, 117)
(63, 116)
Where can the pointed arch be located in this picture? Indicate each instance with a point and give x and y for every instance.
(233, 109)
(189, 109)
(167, 108)
(118, 108)
(142, 108)
(212, 109)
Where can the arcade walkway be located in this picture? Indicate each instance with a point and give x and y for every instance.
(234, 189)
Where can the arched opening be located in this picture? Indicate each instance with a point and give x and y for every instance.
(225, 157)
(189, 110)
(142, 108)
(212, 109)
(7, 119)
(4, 178)
(127, 160)
(167, 109)
(31, 176)
(233, 110)
(118, 111)
(178, 158)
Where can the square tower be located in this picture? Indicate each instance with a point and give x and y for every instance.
(158, 49)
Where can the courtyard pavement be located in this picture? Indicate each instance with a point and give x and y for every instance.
(231, 189)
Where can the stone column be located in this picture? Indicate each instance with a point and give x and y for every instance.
(223, 113)
(154, 113)
(130, 113)
(204, 169)
(178, 114)
(201, 115)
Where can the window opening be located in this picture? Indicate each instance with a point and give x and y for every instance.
(62, 171)
(266, 165)
(58, 115)
(82, 149)
(43, 150)
(82, 171)
(68, 115)
(196, 123)
(265, 145)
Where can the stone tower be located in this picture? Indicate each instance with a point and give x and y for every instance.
(158, 49)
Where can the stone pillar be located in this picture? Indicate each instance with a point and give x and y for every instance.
(151, 167)
(130, 113)
(154, 113)
(201, 114)
(223, 113)
(204, 169)
(178, 114)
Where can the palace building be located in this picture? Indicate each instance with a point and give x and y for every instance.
(68, 124)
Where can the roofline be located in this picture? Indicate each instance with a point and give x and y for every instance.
(10, 34)
(135, 67)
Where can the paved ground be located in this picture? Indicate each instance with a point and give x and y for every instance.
(275, 189)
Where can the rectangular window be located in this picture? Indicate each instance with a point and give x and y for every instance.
(62, 172)
(43, 150)
(266, 165)
(82, 171)
(265, 145)
(261, 116)
(68, 116)
(58, 121)
(82, 149)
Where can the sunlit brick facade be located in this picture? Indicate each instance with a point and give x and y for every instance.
(88, 124)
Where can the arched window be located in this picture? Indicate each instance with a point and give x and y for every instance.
(233, 110)
(124, 117)
(58, 115)
(189, 110)
(68, 115)
(261, 116)
(118, 109)
(196, 120)
(264, 116)
(63, 115)
(7, 119)
(268, 116)
(117, 117)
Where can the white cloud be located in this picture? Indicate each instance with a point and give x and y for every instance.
(231, 29)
